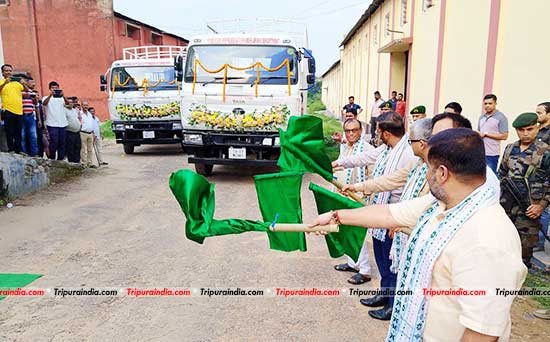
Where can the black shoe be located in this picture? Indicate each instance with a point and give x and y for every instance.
(383, 314)
(374, 301)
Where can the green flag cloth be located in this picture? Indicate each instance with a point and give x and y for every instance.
(349, 239)
(13, 281)
(279, 194)
(303, 147)
(196, 198)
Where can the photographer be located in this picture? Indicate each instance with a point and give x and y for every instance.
(11, 90)
(31, 120)
(56, 120)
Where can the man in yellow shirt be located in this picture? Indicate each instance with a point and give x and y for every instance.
(12, 103)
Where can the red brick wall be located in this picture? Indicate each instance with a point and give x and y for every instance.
(75, 41)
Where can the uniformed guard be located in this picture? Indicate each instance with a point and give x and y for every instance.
(418, 112)
(524, 181)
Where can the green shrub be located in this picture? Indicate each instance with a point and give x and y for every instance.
(106, 130)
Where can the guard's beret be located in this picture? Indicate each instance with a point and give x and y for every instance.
(525, 119)
(386, 104)
(418, 110)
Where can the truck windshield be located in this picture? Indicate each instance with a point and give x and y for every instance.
(136, 78)
(213, 57)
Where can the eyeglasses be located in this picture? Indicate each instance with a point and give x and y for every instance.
(353, 130)
(411, 141)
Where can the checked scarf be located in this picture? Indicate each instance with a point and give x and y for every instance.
(386, 163)
(415, 272)
(415, 182)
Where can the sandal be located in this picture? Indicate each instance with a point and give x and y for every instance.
(345, 268)
(359, 279)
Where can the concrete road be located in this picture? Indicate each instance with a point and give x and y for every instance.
(119, 226)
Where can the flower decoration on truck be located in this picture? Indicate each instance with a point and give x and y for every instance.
(269, 119)
(144, 111)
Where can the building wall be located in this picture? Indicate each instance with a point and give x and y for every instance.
(460, 51)
(463, 72)
(69, 41)
(522, 75)
(332, 91)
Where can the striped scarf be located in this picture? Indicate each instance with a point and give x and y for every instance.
(360, 172)
(415, 272)
(386, 163)
(415, 182)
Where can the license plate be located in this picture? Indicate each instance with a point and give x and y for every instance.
(148, 134)
(237, 153)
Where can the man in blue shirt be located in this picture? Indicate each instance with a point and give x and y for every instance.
(393, 100)
(351, 107)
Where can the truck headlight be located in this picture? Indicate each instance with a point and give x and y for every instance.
(267, 141)
(177, 125)
(277, 142)
(119, 127)
(192, 138)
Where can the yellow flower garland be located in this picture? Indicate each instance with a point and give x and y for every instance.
(226, 66)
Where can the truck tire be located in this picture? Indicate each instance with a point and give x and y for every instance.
(204, 169)
(128, 148)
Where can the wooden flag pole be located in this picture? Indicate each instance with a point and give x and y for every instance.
(289, 227)
(351, 194)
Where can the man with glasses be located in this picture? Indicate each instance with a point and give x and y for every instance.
(355, 144)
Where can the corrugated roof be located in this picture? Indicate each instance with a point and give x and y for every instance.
(368, 13)
(334, 65)
(137, 22)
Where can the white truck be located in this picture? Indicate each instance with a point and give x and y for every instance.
(239, 86)
(144, 96)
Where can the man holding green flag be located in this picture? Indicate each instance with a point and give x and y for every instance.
(394, 154)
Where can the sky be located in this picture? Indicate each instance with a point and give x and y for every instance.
(327, 21)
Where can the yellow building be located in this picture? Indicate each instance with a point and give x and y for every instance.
(438, 51)
(331, 93)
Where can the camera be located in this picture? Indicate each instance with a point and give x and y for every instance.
(57, 93)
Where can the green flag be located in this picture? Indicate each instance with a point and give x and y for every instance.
(303, 147)
(349, 239)
(279, 194)
(196, 198)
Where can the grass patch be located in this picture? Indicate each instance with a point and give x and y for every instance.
(539, 280)
(106, 130)
(330, 126)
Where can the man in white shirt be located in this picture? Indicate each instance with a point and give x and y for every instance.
(56, 120)
(448, 249)
(375, 112)
(97, 138)
(87, 135)
(72, 140)
(394, 154)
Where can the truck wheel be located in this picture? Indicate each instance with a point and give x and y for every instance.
(128, 148)
(204, 169)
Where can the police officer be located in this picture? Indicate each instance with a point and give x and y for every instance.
(418, 112)
(524, 181)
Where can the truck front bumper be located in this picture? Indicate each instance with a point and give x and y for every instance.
(147, 132)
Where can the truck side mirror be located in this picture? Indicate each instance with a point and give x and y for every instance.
(311, 65)
(310, 79)
(102, 79)
(102, 87)
(178, 68)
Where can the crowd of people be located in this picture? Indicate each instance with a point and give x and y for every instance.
(56, 126)
(473, 223)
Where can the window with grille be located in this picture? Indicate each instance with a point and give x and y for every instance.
(156, 39)
(133, 32)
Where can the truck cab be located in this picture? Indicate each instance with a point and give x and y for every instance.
(144, 96)
(239, 89)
